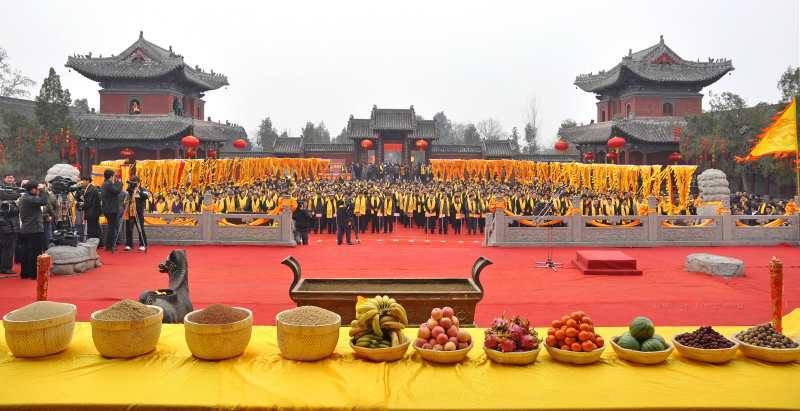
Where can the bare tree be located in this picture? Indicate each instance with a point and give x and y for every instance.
(12, 82)
(532, 127)
(490, 129)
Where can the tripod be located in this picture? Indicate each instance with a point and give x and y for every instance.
(138, 225)
(548, 262)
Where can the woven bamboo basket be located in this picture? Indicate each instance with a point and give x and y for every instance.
(513, 358)
(218, 341)
(444, 357)
(307, 342)
(40, 337)
(642, 357)
(713, 356)
(777, 355)
(575, 357)
(382, 354)
(126, 339)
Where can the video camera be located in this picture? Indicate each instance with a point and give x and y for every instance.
(10, 193)
(62, 185)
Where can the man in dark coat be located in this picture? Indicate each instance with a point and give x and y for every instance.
(90, 199)
(31, 226)
(9, 230)
(109, 194)
(302, 223)
(344, 219)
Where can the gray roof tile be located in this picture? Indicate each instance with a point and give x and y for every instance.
(497, 148)
(155, 62)
(151, 127)
(644, 129)
(288, 145)
(327, 148)
(456, 149)
(641, 65)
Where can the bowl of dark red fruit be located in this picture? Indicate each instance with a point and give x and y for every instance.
(706, 345)
(765, 343)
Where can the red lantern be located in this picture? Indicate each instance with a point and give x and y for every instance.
(366, 144)
(421, 144)
(211, 153)
(239, 144)
(190, 154)
(676, 133)
(562, 145)
(588, 156)
(126, 152)
(675, 157)
(190, 142)
(616, 142)
(611, 156)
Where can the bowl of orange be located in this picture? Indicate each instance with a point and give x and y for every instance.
(572, 339)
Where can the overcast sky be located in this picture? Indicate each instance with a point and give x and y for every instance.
(299, 61)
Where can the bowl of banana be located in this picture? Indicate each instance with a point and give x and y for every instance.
(377, 332)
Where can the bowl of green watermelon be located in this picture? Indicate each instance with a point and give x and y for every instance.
(640, 344)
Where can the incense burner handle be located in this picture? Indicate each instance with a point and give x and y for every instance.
(477, 268)
(295, 267)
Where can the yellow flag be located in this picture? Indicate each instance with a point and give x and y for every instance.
(779, 138)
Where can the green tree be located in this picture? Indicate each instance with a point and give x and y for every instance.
(531, 142)
(52, 105)
(266, 133)
(28, 152)
(12, 82)
(789, 83)
(568, 123)
(514, 138)
(444, 128)
(82, 105)
(342, 137)
(471, 135)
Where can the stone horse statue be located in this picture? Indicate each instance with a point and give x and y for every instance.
(175, 299)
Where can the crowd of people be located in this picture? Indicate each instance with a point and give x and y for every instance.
(32, 212)
(380, 198)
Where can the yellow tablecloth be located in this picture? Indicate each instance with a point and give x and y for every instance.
(171, 378)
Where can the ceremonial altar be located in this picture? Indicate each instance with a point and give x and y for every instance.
(170, 378)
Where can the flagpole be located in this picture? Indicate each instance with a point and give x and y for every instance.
(797, 150)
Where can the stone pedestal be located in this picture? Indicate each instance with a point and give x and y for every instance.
(714, 264)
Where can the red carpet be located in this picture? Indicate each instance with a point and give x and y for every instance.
(252, 277)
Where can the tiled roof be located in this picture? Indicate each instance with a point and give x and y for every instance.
(151, 127)
(393, 119)
(497, 148)
(145, 60)
(359, 128)
(656, 63)
(425, 129)
(288, 145)
(25, 108)
(327, 148)
(644, 129)
(456, 149)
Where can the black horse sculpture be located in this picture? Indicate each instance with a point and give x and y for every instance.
(175, 299)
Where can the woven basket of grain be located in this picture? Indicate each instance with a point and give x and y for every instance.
(39, 329)
(126, 338)
(307, 333)
(218, 341)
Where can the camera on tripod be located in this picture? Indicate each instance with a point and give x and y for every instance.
(62, 185)
(10, 193)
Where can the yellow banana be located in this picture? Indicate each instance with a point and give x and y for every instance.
(367, 306)
(393, 325)
(359, 332)
(368, 316)
(396, 310)
(395, 338)
(376, 325)
(385, 318)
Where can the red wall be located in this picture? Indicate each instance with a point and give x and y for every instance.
(151, 103)
(643, 106)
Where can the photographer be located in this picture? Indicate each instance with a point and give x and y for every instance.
(32, 226)
(110, 206)
(302, 223)
(9, 230)
(89, 201)
(134, 214)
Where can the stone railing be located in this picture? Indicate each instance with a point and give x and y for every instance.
(209, 231)
(652, 230)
